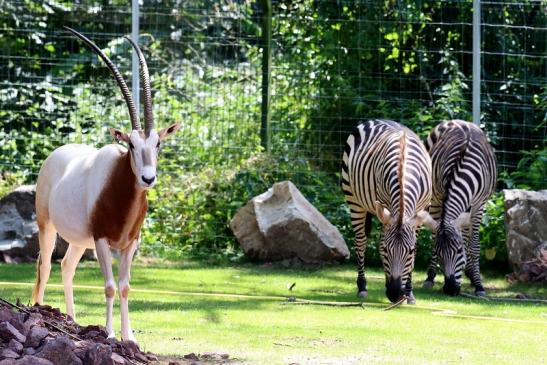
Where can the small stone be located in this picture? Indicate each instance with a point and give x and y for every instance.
(117, 359)
(35, 336)
(8, 332)
(33, 360)
(191, 356)
(8, 354)
(5, 314)
(15, 346)
(151, 357)
(60, 351)
(99, 354)
(29, 351)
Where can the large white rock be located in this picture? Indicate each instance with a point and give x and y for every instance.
(281, 224)
(525, 225)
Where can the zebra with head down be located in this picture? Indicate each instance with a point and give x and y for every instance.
(464, 177)
(386, 171)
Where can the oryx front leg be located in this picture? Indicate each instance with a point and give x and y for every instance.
(105, 260)
(68, 267)
(123, 284)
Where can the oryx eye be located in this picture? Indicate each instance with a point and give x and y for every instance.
(131, 145)
(158, 145)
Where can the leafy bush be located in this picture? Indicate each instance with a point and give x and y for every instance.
(10, 181)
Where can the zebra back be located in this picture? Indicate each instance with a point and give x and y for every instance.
(386, 162)
(464, 167)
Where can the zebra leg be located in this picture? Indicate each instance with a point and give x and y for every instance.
(410, 298)
(361, 225)
(435, 212)
(431, 272)
(472, 269)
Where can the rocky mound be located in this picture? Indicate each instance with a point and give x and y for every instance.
(42, 335)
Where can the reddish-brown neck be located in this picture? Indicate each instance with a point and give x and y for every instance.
(120, 208)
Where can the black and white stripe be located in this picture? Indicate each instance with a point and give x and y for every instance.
(464, 177)
(386, 171)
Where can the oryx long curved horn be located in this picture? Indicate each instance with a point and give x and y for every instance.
(146, 90)
(117, 75)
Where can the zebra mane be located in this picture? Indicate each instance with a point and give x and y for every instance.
(401, 175)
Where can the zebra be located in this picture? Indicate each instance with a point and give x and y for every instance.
(386, 171)
(464, 177)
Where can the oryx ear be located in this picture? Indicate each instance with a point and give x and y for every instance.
(382, 213)
(119, 135)
(166, 132)
(463, 221)
(423, 217)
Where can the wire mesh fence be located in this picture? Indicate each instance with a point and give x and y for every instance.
(333, 64)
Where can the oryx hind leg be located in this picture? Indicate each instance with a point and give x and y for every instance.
(47, 236)
(68, 268)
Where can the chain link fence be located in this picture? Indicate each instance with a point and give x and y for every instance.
(332, 64)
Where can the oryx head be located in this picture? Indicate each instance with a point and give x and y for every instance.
(143, 145)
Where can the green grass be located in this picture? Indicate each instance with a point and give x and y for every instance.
(266, 331)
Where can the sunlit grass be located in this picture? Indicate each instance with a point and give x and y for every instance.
(260, 330)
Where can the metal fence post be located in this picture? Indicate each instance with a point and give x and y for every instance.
(135, 59)
(476, 62)
(265, 132)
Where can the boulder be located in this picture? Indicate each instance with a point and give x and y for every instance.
(526, 225)
(19, 230)
(281, 224)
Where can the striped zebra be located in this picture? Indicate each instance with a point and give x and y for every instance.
(386, 171)
(464, 177)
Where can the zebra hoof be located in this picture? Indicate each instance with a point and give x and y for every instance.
(427, 284)
(363, 294)
(410, 299)
(480, 293)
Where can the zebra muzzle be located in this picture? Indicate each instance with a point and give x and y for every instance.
(394, 289)
(451, 286)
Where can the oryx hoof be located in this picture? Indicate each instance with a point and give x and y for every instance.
(427, 284)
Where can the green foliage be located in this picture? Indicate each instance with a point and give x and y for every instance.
(531, 172)
(9, 181)
(492, 232)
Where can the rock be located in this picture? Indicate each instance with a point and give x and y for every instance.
(19, 230)
(60, 351)
(15, 345)
(99, 354)
(33, 360)
(35, 336)
(5, 314)
(8, 354)
(526, 225)
(8, 332)
(281, 224)
(117, 359)
(29, 351)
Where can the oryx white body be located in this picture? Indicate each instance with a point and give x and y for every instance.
(96, 198)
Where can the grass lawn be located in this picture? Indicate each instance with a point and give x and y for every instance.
(263, 330)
